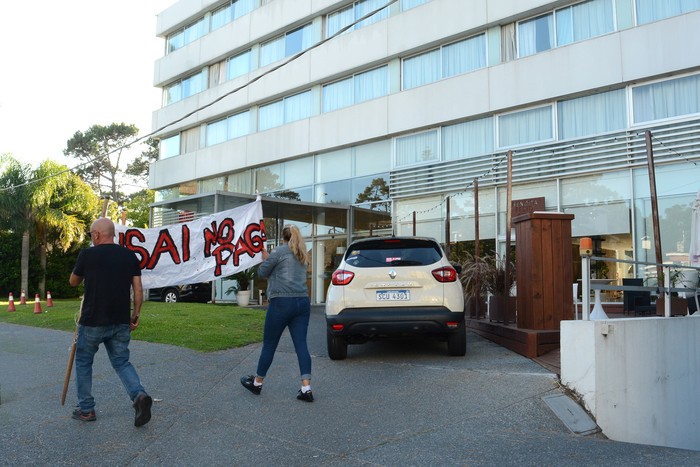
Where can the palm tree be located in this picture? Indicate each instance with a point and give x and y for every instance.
(62, 207)
(15, 213)
(51, 202)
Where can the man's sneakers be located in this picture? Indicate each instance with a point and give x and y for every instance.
(307, 396)
(248, 382)
(84, 416)
(142, 405)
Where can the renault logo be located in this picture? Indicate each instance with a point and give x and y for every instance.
(392, 274)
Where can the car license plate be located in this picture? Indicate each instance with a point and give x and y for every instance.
(393, 295)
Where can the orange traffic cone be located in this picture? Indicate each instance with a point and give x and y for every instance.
(22, 299)
(37, 305)
(49, 301)
(11, 305)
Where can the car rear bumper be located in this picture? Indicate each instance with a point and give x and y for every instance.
(395, 321)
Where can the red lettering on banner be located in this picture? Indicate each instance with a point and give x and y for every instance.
(126, 239)
(185, 243)
(223, 237)
(164, 244)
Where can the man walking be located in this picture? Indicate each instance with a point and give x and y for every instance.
(110, 271)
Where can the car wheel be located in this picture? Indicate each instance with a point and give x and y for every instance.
(171, 295)
(337, 346)
(457, 343)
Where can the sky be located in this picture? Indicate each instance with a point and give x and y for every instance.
(65, 66)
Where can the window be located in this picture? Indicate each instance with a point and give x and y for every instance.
(287, 110)
(526, 126)
(467, 139)
(229, 128)
(408, 4)
(170, 146)
(417, 148)
(342, 18)
(535, 35)
(654, 10)
(590, 115)
(450, 60)
(231, 11)
(239, 65)
(666, 99)
(287, 45)
(186, 87)
(584, 20)
(359, 88)
(186, 35)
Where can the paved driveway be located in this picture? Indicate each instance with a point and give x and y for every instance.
(389, 403)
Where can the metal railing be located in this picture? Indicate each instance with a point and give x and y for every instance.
(664, 290)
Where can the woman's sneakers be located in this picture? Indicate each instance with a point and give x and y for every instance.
(306, 396)
(248, 382)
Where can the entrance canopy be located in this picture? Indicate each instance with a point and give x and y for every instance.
(322, 219)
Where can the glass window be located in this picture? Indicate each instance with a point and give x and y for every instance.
(338, 20)
(239, 65)
(299, 172)
(194, 84)
(270, 115)
(243, 7)
(408, 4)
(287, 45)
(334, 192)
(464, 56)
(216, 132)
(371, 84)
(584, 20)
(268, 178)
(535, 35)
(173, 93)
(666, 99)
(221, 17)
(239, 125)
(590, 115)
(371, 190)
(272, 51)
(211, 185)
(417, 148)
(372, 158)
(334, 165)
(240, 182)
(338, 95)
(170, 146)
(654, 10)
(421, 69)
(176, 40)
(364, 7)
(467, 139)
(194, 31)
(297, 107)
(526, 126)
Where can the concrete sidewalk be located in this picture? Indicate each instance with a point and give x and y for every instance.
(389, 403)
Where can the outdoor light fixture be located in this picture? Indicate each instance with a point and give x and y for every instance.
(646, 243)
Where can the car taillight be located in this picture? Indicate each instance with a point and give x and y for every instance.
(445, 274)
(342, 277)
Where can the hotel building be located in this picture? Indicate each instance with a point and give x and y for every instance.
(353, 124)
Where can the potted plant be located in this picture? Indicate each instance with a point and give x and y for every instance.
(242, 286)
(501, 303)
(472, 278)
(679, 305)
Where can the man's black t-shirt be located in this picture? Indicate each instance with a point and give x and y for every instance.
(108, 271)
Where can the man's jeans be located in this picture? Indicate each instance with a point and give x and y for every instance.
(116, 340)
(292, 313)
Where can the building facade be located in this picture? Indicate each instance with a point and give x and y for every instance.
(396, 107)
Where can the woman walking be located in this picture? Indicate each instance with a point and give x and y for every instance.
(285, 269)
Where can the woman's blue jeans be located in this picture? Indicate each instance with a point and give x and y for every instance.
(292, 313)
(116, 340)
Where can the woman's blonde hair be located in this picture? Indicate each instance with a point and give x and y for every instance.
(292, 235)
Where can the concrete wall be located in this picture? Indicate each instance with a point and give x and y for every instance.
(639, 377)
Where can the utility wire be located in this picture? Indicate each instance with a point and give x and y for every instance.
(223, 96)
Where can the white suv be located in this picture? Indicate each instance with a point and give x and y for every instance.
(394, 286)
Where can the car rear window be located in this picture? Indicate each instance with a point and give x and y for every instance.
(393, 252)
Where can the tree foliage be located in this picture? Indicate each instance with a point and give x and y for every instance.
(101, 150)
(137, 208)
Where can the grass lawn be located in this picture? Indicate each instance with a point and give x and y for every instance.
(198, 326)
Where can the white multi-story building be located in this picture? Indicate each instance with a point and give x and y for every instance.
(394, 114)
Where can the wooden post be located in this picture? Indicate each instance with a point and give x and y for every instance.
(654, 205)
(414, 223)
